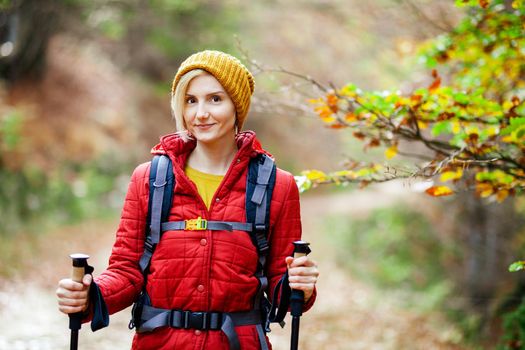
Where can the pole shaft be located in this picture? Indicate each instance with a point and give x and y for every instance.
(74, 340)
(294, 340)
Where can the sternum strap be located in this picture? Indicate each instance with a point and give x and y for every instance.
(211, 225)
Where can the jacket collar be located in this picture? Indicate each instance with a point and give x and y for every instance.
(178, 149)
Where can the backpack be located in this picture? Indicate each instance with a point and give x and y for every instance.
(259, 189)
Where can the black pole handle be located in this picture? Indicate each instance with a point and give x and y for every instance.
(301, 248)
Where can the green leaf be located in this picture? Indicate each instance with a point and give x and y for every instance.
(515, 123)
(441, 128)
(517, 266)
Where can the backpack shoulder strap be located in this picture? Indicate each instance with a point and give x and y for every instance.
(259, 190)
(161, 184)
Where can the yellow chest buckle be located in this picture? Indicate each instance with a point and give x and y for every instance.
(198, 224)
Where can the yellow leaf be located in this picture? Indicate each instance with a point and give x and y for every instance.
(456, 127)
(451, 175)
(508, 138)
(422, 125)
(315, 175)
(507, 105)
(492, 130)
(391, 152)
(439, 191)
(344, 173)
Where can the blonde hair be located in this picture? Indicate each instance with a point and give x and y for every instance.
(178, 98)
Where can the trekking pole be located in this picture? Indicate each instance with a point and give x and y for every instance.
(297, 298)
(77, 274)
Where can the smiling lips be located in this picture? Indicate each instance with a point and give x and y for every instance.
(204, 126)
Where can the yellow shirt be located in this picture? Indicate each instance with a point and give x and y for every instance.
(207, 184)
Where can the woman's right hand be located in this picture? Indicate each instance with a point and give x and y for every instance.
(73, 296)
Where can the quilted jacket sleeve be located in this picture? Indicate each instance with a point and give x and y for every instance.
(122, 281)
(286, 230)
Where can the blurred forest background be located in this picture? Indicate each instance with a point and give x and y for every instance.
(84, 88)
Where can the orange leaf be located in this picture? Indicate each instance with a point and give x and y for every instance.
(438, 191)
(337, 126)
(435, 84)
(501, 195)
(484, 189)
(416, 98)
(331, 101)
(483, 3)
(350, 117)
(374, 143)
(359, 135)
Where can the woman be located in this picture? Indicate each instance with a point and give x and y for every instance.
(205, 273)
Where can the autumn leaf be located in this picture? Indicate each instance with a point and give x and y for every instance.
(391, 152)
(359, 135)
(337, 126)
(435, 84)
(501, 195)
(350, 117)
(484, 189)
(439, 191)
(331, 101)
(315, 175)
(416, 98)
(451, 175)
(422, 125)
(373, 143)
(484, 3)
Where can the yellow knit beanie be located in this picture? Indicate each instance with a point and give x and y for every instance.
(229, 71)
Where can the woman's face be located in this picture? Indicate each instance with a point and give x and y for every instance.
(209, 112)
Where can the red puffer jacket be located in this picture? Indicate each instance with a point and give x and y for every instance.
(199, 270)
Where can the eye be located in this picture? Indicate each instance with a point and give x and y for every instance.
(216, 98)
(190, 100)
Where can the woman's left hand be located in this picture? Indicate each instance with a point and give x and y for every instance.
(302, 274)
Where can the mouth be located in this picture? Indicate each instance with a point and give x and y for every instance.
(204, 126)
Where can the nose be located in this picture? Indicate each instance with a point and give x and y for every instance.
(201, 111)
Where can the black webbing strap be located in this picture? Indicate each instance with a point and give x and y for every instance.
(278, 311)
(155, 211)
(153, 318)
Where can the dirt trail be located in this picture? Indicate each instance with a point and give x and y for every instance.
(347, 315)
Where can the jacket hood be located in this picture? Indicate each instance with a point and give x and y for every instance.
(177, 148)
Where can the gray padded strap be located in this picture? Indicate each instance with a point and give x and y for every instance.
(158, 196)
(211, 225)
(156, 212)
(153, 318)
(263, 177)
(260, 212)
(228, 328)
(262, 337)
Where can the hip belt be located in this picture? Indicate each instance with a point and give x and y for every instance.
(153, 318)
